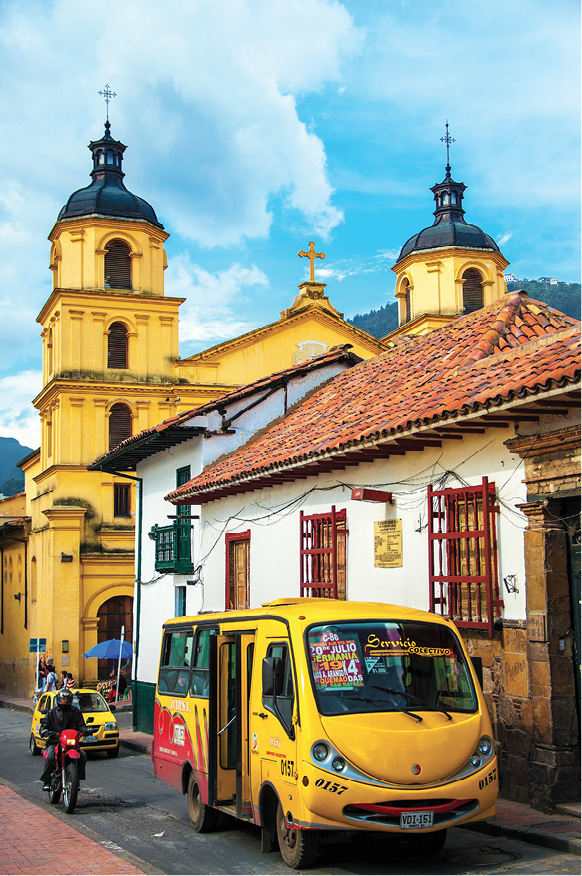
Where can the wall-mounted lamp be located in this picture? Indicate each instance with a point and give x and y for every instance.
(18, 596)
(66, 558)
(510, 582)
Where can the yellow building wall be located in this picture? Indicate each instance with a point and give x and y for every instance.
(78, 253)
(435, 284)
(290, 341)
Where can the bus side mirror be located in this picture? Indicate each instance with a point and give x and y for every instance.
(478, 667)
(272, 676)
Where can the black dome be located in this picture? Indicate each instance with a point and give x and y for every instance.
(449, 227)
(107, 195)
(451, 233)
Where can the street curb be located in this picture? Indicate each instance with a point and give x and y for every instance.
(548, 841)
(16, 707)
(134, 745)
(101, 841)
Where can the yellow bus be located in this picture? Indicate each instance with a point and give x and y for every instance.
(313, 717)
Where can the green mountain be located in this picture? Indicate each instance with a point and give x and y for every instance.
(11, 478)
(564, 297)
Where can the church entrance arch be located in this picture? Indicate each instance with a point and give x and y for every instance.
(113, 614)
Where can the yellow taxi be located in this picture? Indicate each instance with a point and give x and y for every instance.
(97, 715)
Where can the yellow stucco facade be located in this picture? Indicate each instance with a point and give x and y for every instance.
(434, 282)
(76, 545)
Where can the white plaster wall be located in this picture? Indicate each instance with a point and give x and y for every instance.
(272, 515)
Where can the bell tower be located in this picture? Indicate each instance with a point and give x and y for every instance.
(110, 341)
(449, 268)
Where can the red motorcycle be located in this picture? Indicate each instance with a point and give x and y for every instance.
(65, 776)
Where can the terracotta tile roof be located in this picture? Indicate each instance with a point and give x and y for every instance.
(172, 430)
(507, 351)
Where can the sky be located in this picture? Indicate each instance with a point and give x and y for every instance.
(255, 126)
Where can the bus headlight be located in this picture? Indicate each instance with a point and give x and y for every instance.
(338, 764)
(320, 751)
(475, 760)
(485, 746)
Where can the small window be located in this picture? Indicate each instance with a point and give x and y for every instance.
(121, 500)
(175, 663)
(117, 264)
(472, 291)
(200, 681)
(282, 703)
(180, 601)
(117, 346)
(407, 305)
(119, 424)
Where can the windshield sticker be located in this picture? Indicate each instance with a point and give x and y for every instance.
(376, 665)
(376, 647)
(336, 664)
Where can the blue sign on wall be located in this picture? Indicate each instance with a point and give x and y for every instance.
(37, 645)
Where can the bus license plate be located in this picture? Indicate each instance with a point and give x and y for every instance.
(416, 820)
(89, 739)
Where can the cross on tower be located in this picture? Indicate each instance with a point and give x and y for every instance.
(311, 255)
(448, 140)
(107, 94)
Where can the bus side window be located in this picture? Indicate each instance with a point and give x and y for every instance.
(199, 684)
(281, 703)
(175, 662)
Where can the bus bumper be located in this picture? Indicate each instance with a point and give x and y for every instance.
(330, 802)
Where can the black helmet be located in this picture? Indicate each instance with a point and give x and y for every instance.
(65, 698)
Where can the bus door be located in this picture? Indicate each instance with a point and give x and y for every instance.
(275, 714)
(230, 702)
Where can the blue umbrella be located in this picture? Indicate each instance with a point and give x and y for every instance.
(112, 649)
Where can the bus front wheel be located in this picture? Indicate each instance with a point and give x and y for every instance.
(298, 847)
(428, 843)
(204, 818)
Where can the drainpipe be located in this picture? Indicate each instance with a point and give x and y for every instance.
(138, 546)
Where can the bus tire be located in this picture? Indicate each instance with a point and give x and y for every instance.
(428, 843)
(298, 847)
(203, 818)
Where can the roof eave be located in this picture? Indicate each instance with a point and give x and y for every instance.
(383, 443)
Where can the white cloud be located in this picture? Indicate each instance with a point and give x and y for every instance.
(505, 73)
(504, 238)
(18, 418)
(206, 90)
(214, 300)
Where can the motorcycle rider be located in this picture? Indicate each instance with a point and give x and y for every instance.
(63, 716)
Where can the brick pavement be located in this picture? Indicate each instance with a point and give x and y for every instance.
(35, 841)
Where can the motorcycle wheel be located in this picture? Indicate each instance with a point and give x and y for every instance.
(71, 787)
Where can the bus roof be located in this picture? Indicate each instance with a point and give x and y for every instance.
(314, 609)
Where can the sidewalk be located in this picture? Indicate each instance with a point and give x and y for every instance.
(559, 831)
(35, 841)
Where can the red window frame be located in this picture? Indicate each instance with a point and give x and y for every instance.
(462, 548)
(322, 556)
(229, 539)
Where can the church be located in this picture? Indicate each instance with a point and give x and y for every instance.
(111, 368)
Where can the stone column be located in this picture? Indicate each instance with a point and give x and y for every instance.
(554, 768)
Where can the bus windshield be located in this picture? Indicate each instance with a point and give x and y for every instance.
(388, 666)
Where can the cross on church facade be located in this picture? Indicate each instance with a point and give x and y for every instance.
(311, 255)
(107, 94)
